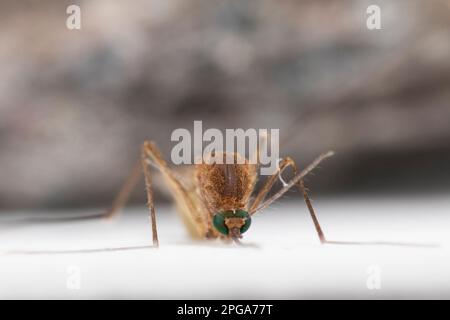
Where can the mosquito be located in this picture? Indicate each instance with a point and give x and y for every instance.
(215, 200)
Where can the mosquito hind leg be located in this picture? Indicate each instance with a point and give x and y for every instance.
(124, 194)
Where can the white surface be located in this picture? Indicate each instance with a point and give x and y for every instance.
(283, 258)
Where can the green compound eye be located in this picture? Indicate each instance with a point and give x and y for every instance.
(244, 214)
(219, 220)
(219, 223)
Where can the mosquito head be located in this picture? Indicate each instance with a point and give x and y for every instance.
(232, 223)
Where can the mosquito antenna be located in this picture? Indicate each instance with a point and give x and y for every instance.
(293, 181)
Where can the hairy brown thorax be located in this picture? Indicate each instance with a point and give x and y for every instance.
(225, 186)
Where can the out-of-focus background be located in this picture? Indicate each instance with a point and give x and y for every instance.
(76, 104)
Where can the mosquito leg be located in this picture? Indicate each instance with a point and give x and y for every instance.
(124, 193)
(293, 181)
(284, 163)
(149, 189)
(193, 216)
(149, 155)
(153, 155)
(297, 180)
(303, 190)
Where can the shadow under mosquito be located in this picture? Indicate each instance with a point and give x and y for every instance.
(119, 249)
(50, 219)
(383, 243)
(18, 223)
(95, 250)
(215, 245)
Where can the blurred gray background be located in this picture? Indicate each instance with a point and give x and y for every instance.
(76, 104)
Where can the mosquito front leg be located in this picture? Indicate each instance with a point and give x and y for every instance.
(297, 180)
(283, 164)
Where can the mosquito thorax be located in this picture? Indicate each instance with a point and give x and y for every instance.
(236, 220)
